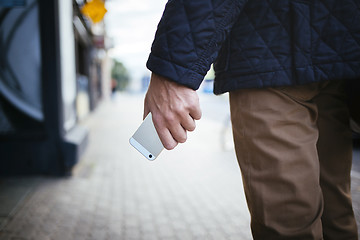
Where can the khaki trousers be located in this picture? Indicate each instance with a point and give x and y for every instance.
(294, 149)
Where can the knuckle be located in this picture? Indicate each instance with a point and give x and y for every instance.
(180, 109)
(170, 118)
(192, 104)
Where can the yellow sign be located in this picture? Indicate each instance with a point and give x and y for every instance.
(95, 10)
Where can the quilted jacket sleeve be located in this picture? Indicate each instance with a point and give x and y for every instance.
(189, 36)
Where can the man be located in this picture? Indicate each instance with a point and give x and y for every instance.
(285, 64)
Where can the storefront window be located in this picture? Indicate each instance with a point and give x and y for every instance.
(20, 58)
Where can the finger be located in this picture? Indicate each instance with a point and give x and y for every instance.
(164, 133)
(195, 112)
(178, 133)
(188, 123)
(167, 139)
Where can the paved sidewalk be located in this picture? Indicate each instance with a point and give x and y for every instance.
(192, 192)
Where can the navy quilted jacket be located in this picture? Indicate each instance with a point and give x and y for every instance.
(257, 43)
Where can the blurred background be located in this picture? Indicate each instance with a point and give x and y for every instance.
(72, 83)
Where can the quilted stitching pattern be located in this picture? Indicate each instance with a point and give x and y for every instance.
(259, 43)
(189, 36)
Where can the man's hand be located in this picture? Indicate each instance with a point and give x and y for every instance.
(174, 109)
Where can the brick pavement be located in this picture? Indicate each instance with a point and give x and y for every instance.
(115, 193)
(193, 192)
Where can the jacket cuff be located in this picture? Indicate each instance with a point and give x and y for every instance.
(174, 72)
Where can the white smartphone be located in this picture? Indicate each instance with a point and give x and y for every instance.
(146, 139)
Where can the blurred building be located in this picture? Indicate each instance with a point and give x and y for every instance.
(53, 72)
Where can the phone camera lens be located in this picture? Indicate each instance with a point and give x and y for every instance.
(150, 156)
